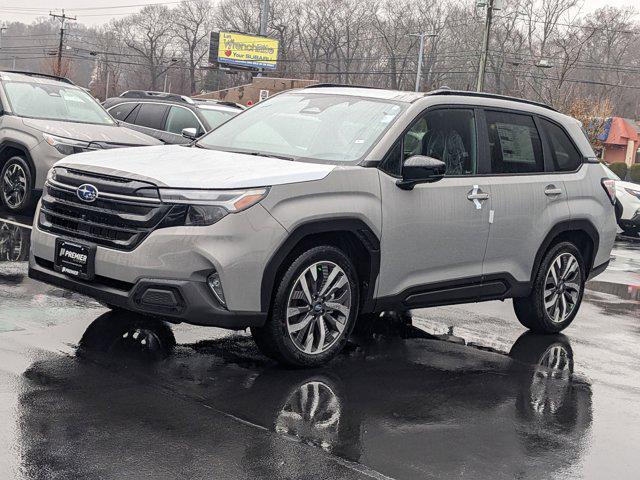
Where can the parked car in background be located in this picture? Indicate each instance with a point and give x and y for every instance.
(173, 119)
(322, 204)
(43, 119)
(627, 205)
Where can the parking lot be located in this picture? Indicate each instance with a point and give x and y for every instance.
(463, 392)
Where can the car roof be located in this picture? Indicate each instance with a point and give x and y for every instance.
(34, 77)
(410, 97)
(192, 105)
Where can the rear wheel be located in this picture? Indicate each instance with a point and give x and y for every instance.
(15, 185)
(314, 309)
(557, 291)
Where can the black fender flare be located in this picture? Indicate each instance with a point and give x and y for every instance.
(359, 228)
(25, 151)
(583, 225)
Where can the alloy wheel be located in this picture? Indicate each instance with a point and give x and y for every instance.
(318, 307)
(312, 413)
(14, 185)
(562, 287)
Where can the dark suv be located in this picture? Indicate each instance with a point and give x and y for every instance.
(171, 118)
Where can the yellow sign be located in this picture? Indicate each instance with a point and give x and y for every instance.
(247, 50)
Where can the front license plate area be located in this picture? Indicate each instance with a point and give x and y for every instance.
(75, 259)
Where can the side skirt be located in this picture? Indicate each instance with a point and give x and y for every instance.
(465, 290)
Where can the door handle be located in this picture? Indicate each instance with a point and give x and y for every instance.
(552, 191)
(476, 196)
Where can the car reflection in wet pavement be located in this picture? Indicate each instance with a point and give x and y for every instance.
(461, 393)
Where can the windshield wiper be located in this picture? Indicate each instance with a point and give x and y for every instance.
(260, 154)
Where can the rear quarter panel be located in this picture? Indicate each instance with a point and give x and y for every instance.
(588, 200)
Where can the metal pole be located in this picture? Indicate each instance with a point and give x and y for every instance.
(264, 18)
(419, 71)
(485, 47)
(106, 88)
(14, 63)
(165, 81)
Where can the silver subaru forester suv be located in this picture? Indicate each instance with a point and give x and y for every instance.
(322, 205)
(44, 118)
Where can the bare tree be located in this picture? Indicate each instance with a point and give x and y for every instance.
(149, 36)
(192, 24)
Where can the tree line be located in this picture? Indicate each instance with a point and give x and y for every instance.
(546, 50)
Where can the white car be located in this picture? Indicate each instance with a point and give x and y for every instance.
(627, 205)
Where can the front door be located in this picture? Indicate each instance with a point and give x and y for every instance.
(435, 235)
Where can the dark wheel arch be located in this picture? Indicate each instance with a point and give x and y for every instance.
(580, 232)
(351, 234)
(10, 149)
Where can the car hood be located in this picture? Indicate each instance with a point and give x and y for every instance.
(87, 132)
(632, 186)
(184, 167)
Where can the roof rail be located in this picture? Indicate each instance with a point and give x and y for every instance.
(448, 91)
(224, 103)
(41, 75)
(172, 97)
(321, 85)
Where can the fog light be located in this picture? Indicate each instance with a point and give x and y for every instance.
(215, 285)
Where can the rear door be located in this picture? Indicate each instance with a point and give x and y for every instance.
(434, 236)
(527, 197)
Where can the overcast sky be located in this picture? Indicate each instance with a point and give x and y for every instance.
(101, 11)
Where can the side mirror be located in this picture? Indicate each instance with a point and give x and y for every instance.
(420, 169)
(190, 133)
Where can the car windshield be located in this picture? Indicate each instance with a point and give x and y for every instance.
(217, 117)
(55, 102)
(307, 126)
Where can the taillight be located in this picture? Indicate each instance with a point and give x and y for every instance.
(609, 186)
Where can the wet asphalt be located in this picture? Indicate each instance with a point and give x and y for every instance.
(461, 392)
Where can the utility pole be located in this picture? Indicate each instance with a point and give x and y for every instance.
(420, 54)
(264, 18)
(485, 46)
(63, 18)
(2, 29)
(106, 88)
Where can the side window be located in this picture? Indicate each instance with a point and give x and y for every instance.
(151, 115)
(448, 135)
(564, 155)
(179, 118)
(514, 143)
(122, 111)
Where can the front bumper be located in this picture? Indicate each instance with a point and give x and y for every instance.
(630, 222)
(175, 300)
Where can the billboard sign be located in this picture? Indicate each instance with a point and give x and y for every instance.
(243, 51)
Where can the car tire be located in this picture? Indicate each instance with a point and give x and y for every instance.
(16, 185)
(314, 309)
(557, 291)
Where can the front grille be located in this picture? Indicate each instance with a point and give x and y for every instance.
(122, 216)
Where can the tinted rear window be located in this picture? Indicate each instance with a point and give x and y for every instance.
(151, 115)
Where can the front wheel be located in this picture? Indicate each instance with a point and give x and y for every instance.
(16, 180)
(314, 309)
(557, 291)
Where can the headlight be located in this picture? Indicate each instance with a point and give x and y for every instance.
(52, 174)
(635, 193)
(66, 146)
(207, 207)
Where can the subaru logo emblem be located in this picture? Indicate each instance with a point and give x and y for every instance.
(87, 192)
